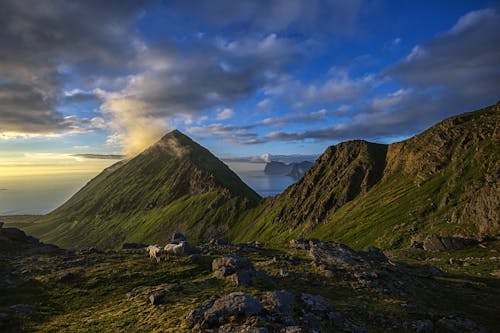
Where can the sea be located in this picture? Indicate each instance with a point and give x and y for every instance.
(40, 194)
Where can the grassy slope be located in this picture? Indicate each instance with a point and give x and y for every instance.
(443, 181)
(174, 185)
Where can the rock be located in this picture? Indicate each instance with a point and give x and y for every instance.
(66, 276)
(336, 254)
(436, 243)
(197, 315)
(280, 301)
(230, 264)
(315, 303)
(424, 325)
(242, 329)
(177, 237)
(237, 304)
(283, 272)
(220, 242)
(157, 297)
(303, 244)
(130, 246)
(26, 309)
(414, 244)
(198, 258)
(459, 324)
(375, 254)
(242, 278)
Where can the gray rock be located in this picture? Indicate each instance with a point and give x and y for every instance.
(424, 325)
(229, 264)
(280, 301)
(237, 304)
(156, 298)
(66, 276)
(316, 303)
(293, 329)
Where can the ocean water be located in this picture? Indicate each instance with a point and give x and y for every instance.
(265, 185)
(39, 194)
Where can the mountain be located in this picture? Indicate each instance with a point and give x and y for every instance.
(443, 181)
(295, 169)
(277, 168)
(175, 184)
(299, 169)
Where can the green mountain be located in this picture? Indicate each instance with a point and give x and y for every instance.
(175, 184)
(443, 181)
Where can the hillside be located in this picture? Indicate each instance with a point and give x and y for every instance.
(442, 181)
(175, 184)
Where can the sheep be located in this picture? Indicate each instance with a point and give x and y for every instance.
(176, 249)
(154, 252)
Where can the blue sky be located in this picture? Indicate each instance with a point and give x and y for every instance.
(243, 78)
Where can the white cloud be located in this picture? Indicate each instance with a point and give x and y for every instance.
(225, 114)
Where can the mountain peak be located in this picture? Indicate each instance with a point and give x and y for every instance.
(175, 143)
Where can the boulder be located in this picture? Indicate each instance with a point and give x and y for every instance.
(156, 298)
(230, 264)
(336, 254)
(280, 301)
(235, 304)
(220, 242)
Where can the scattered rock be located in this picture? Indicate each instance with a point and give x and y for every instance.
(237, 304)
(220, 242)
(237, 269)
(280, 301)
(156, 298)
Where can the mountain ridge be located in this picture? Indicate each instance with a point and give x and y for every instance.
(441, 181)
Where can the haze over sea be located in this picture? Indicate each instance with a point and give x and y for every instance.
(39, 194)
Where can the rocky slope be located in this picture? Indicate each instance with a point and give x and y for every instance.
(174, 184)
(443, 181)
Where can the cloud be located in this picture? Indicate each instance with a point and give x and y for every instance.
(465, 60)
(46, 44)
(335, 17)
(100, 156)
(225, 114)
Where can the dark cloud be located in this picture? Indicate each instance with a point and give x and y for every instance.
(296, 16)
(465, 61)
(45, 44)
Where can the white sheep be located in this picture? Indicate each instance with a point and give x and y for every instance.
(154, 252)
(175, 249)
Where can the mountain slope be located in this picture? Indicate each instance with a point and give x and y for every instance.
(174, 184)
(442, 181)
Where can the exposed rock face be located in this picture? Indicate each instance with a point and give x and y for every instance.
(277, 168)
(438, 244)
(299, 169)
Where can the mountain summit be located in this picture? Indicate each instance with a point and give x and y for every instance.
(175, 184)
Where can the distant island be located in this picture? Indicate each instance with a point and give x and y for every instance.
(294, 170)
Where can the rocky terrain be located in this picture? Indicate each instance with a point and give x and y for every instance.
(305, 286)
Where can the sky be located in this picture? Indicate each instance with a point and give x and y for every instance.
(243, 78)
